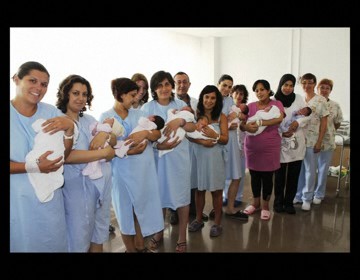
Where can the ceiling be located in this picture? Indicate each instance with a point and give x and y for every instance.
(213, 31)
(208, 31)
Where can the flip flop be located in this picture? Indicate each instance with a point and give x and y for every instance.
(181, 247)
(265, 215)
(155, 244)
(250, 209)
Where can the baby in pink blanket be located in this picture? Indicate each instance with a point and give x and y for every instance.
(93, 169)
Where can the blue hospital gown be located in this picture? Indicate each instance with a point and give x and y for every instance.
(233, 160)
(173, 168)
(135, 184)
(34, 226)
(87, 201)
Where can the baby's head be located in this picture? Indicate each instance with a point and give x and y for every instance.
(186, 108)
(159, 121)
(202, 121)
(306, 111)
(117, 128)
(244, 108)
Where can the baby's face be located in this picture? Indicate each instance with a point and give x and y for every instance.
(303, 111)
(242, 107)
(201, 123)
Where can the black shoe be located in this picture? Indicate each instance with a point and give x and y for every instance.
(290, 209)
(239, 215)
(174, 218)
(111, 229)
(278, 208)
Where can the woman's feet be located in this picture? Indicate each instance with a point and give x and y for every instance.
(155, 242)
(250, 209)
(265, 215)
(239, 215)
(215, 230)
(181, 247)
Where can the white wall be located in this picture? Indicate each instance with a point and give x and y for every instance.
(102, 54)
(325, 52)
(268, 53)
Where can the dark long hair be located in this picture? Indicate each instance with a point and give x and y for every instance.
(122, 86)
(64, 89)
(215, 114)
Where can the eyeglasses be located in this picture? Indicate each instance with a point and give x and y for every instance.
(307, 83)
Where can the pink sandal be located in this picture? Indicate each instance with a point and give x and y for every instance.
(250, 209)
(265, 215)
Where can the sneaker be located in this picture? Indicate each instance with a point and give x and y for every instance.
(297, 201)
(215, 231)
(306, 206)
(174, 218)
(317, 201)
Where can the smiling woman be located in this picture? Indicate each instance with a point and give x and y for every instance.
(37, 214)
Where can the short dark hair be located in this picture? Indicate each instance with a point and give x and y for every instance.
(243, 89)
(122, 86)
(225, 77)
(26, 67)
(156, 79)
(266, 85)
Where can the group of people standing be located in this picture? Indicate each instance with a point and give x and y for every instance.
(142, 185)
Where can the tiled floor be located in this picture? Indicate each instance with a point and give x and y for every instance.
(326, 228)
